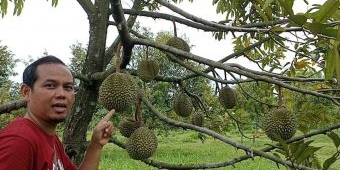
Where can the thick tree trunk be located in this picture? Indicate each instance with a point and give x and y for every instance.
(86, 99)
(76, 126)
(77, 123)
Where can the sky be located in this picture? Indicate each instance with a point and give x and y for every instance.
(42, 28)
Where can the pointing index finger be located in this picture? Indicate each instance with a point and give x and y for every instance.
(109, 115)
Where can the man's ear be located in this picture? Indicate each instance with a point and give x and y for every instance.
(25, 92)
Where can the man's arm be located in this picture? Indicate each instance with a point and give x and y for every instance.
(16, 153)
(102, 133)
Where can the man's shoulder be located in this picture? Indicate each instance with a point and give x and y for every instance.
(20, 127)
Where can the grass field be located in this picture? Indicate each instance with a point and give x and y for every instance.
(186, 148)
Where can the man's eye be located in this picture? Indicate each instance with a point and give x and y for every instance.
(69, 88)
(49, 86)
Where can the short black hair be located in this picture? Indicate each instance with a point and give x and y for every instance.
(30, 73)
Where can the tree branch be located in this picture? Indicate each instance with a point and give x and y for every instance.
(87, 5)
(172, 18)
(235, 54)
(123, 30)
(227, 67)
(137, 5)
(252, 152)
(216, 25)
(14, 105)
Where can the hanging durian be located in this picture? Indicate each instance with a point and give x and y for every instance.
(178, 42)
(142, 144)
(227, 97)
(182, 104)
(280, 123)
(197, 119)
(118, 91)
(147, 68)
(128, 126)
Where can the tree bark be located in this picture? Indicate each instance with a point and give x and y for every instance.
(86, 99)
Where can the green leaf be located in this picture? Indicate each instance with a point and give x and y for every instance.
(18, 5)
(329, 162)
(330, 64)
(309, 151)
(295, 146)
(4, 5)
(316, 27)
(337, 64)
(215, 1)
(267, 3)
(261, 13)
(326, 10)
(303, 128)
(54, 3)
(287, 5)
(221, 5)
(316, 162)
(330, 32)
(335, 138)
(284, 145)
(298, 19)
(301, 148)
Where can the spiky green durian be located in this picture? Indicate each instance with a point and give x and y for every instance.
(118, 91)
(227, 97)
(182, 104)
(128, 126)
(142, 144)
(147, 69)
(178, 43)
(197, 119)
(280, 123)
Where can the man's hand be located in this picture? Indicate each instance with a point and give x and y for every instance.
(103, 131)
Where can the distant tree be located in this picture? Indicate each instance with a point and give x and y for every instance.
(8, 88)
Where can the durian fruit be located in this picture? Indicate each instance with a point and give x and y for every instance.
(182, 104)
(280, 123)
(128, 126)
(142, 144)
(197, 119)
(147, 69)
(118, 91)
(178, 43)
(227, 97)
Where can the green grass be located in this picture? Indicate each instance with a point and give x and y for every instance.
(186, 148)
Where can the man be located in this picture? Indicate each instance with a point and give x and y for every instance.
(30, 142)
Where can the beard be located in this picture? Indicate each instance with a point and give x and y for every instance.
(59, 120)
(56, 119)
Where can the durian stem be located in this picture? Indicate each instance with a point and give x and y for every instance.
(183, 86)
(280, 102)
(147, 52)
(138, 113)
(175, 29)
(225, 76)
(118, 57)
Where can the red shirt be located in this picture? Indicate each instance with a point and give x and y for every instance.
(25, 146)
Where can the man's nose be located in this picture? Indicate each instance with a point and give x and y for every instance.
(60, 92)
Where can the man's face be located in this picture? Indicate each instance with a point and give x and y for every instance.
(52, 95)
